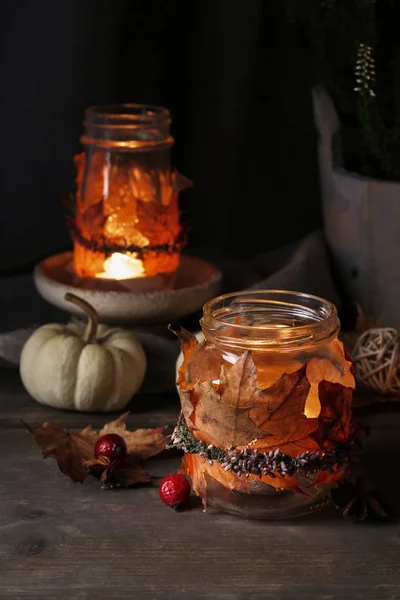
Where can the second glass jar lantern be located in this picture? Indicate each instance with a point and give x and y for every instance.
(266, 404)
(127, 218)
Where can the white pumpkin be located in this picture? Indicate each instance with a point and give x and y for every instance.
(92, 368)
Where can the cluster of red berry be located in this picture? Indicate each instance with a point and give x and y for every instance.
(174, 489)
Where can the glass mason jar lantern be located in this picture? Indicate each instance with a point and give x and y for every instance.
(266, 404)
(127, 219)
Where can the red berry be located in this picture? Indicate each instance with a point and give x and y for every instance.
(112, 445)
(174, 490)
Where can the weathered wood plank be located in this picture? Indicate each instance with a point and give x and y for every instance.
(59, 540)
(75, 542)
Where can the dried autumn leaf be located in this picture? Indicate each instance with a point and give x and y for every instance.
(281, 415)
(232, 410)
(239, 412)
(283, 483)
(238, 383)
(143, 443)
(219, 423)
(58, 443)
(74, 451)
(188, 401)
(188, 344)
(198, 469)
(335, 417)
(119, 473)
(238, 386)
(84, 446)
(329, 479)
(128, 474)
(204, 476)
(203, 366)
(335, 367)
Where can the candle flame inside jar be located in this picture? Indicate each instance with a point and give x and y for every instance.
(122, 266)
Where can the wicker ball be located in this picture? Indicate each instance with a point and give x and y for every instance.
(376, 360)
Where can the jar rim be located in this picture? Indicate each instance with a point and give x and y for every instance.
(127, 127)
(107, 114)
(269, 318)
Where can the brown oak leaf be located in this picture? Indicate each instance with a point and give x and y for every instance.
(124, 473)
(75, 455)
(335, 417)
(142, 443)
(281, 415)
(58, 443)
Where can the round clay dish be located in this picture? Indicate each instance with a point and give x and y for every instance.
(196, 282)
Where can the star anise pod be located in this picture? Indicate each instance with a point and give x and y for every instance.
(358, 504)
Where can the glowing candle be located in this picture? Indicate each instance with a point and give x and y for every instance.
(122, 266)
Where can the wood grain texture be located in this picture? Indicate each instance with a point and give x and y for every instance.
(65, 541)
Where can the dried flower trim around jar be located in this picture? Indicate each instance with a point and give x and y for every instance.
(263, 433)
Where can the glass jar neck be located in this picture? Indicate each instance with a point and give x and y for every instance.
(269, 320)
(127, 126)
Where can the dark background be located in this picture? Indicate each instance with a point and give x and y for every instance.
(230, 73)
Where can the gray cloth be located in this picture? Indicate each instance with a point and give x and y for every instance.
(302, 267)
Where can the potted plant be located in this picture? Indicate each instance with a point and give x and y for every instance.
(354, 55)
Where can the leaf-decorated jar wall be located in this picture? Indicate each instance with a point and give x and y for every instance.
(126, 223)
(266, 404)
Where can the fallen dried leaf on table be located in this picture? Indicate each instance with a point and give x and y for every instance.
(58, 443)
(119, 473)
(75, 455)
(143, 443)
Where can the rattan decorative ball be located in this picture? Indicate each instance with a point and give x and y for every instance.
(376, 360)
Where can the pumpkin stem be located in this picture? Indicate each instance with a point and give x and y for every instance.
(93, 318)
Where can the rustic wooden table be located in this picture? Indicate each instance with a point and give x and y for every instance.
(61, 541)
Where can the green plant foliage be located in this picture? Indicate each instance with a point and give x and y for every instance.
(354, 53)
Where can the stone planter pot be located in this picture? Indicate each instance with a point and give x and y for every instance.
(361, 222)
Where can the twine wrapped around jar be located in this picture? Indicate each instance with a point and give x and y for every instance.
(376, 360)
